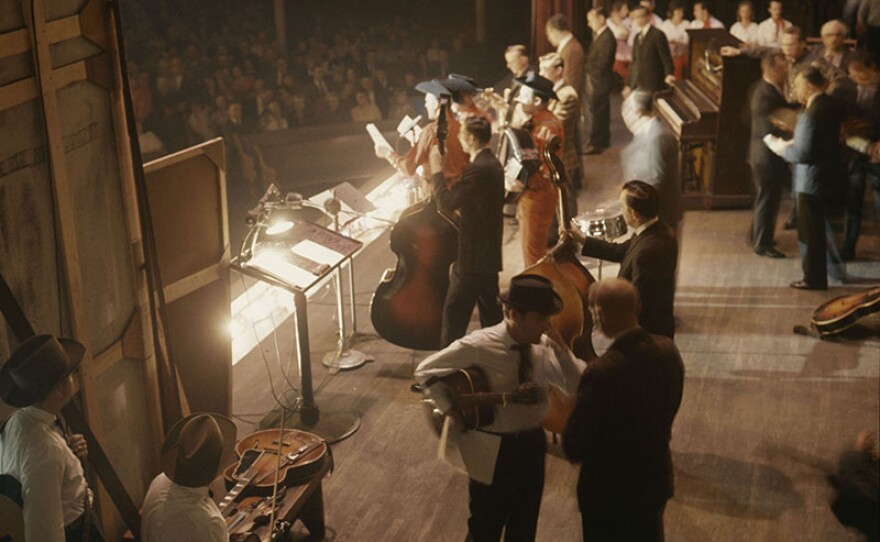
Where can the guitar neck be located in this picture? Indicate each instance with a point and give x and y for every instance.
(230, 497)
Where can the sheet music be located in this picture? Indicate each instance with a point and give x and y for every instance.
(409, 128)
(474, 452)
(377, 137)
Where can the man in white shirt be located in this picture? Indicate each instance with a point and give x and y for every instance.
(521, 358)
(33, 452)
(178, 507)
(703, 17)
(770, 30)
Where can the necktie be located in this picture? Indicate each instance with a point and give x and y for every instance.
(524, 365)
(779, 25)
(707, 25)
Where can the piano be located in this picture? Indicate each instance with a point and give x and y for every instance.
(709, 113)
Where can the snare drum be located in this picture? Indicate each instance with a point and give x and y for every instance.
(606, 222)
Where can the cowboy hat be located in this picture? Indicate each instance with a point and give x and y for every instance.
(197, 448)
(36, 367)
(433, 87)
(532, 293)
(542, 86)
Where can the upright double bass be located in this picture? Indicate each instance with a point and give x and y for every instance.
(407, 307)
(561, 266)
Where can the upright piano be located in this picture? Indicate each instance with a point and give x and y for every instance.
(708, 111)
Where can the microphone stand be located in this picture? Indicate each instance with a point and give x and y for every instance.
(344, 357)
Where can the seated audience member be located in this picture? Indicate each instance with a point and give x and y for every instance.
(273, 119)
(364, 110)
(400, 105)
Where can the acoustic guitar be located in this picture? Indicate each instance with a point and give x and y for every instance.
(11, 516)
(468, 390)
(841, 313)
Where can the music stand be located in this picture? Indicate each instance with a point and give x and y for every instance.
(296, 256)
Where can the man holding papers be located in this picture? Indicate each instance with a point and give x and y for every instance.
(455, 160)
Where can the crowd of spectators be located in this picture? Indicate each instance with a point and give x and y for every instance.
(191, 63)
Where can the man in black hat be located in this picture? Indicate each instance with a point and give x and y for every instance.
(537, 205)
(178, 507)
(34, 453)
(522, 357)
(622, 422)
(463, 89)
(437, 99)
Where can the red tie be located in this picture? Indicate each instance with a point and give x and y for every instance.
(706, 25)
(779, 27)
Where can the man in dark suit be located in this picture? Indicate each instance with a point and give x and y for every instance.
(478, 197)
(769, 171)
(651, 69)
(819, 179)
(648, 259)
(569, 48)
(860, 95)
(622, 423)
(600, 63)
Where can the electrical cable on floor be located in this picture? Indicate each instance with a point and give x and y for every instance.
(278, 401)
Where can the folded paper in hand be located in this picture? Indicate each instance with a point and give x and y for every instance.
(377, 137)
(777, 144)
(409, 128)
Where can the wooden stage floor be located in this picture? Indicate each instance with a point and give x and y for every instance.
(764, 415)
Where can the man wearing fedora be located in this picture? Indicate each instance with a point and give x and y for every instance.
(178, 507)
(521, 357)
(537, 204)
(37, 379)
(456, 159)
(621, 424)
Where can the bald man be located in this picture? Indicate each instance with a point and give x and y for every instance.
(622, 422)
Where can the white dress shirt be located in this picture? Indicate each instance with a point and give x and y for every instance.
(563, 42)
(33, 451)
(770, 34)
(676, 35)
(697, 24)
(746, 34)
(176, 513)
(491, 349)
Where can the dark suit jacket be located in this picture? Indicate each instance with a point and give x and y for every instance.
(647, 260)
(600, 61)
(479, 197)
(816, 151)
(651, 62)
(573, 64)
(847, 92)
(766, 99)
(621, 424)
